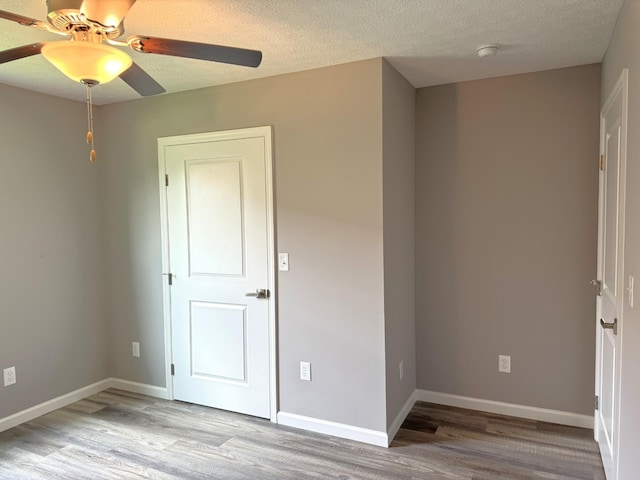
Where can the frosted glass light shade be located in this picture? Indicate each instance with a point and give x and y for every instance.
(87, 61)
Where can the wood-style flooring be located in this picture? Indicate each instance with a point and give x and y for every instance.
(118, 435)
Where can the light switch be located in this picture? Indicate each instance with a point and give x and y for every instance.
(283, 262)
(630, 289)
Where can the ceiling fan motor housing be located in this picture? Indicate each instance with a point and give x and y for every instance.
(69, 15)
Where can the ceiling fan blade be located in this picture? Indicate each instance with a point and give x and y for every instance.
(20, 52)
(26, 21)
(200, 51)
(141, 81)
(109, 14)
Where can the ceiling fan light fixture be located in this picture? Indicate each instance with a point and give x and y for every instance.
(87, 62)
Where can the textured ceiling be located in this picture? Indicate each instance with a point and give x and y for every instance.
(429, 41)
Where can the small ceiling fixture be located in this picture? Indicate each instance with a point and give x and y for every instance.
(488, 50)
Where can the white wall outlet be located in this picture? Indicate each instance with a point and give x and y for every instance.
(305, 371)
(401, 367)
(504, 363)
(9, 376)
(135, 349)
(283, 262)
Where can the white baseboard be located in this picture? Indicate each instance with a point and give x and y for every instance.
(502, 408)
(62, 401)
(43, 408)
(400, 418)
(372, 437)
(341, 430)
(141, 388)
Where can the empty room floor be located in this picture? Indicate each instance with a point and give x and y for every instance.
(117, 435)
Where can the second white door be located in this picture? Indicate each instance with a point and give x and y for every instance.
(610, 274)
(218, 258)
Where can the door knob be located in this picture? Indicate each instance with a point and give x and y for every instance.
(613, 325)
(259, 293)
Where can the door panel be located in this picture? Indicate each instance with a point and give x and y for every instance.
(215, 221)
(607, 390)
(218, 341)
(218, 253)
(610, 267)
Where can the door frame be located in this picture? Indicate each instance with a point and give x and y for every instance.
(621, 88)
(266, 133)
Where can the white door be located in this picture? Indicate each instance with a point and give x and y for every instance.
(610, 273)
(219, 256)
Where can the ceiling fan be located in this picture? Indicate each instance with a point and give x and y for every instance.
(93, 27)
(89, 56)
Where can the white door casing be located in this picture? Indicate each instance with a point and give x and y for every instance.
(218, 246)
(609, 306)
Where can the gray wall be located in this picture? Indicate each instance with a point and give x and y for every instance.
(502, 245)
(51, 300)
(506, 227)
(328, 179)
(398, 146)
(623, 53)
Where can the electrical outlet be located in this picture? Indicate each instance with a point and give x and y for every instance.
(9, 376)
(305, 371)
(504, 363)
(401, 366)
(135, 349)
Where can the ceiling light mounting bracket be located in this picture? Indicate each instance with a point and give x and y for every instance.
(137, 43)
(71, 20)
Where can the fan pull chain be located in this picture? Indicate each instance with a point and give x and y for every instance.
(92, 155)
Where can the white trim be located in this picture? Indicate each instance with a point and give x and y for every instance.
(265, 132)
(599, 257)
(53, 404)
(622, 218)
(80, 394)
(141, 388)
(271, 264)
(502, 408)
(166, 269)
(372, 437)
(401, 417)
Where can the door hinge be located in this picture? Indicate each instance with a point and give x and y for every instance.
(166, 180)
(598, 285)
(597, 402)
(603, 161)
(173, 370)
(169, 278)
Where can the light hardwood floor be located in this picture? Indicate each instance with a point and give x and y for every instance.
(117, 435)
